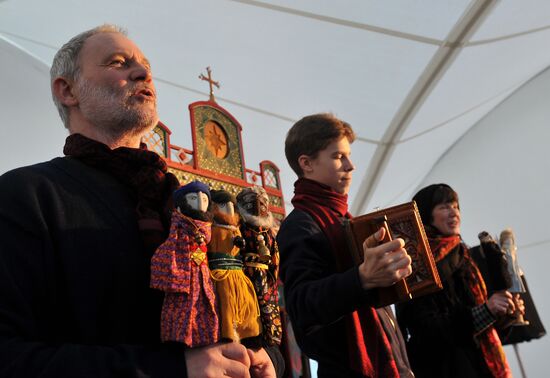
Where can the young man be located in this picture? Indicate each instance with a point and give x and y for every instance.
(78, 233)
(326, 295)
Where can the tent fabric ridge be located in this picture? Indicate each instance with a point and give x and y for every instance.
(468, 23)
(505, 37)
(533, 244)
(367, 140)
(343, 22)
(43, 44)
(42, 66)
(226, 100)
(387, 31)
(461, 114)
(447, 121)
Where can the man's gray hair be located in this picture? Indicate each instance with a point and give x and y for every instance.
(65, 63)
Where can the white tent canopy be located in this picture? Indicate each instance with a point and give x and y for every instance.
(498, 169)
(413, 78)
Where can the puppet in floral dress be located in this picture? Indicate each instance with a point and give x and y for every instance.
(179, 267)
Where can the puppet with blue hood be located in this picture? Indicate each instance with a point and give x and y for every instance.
(179, 267)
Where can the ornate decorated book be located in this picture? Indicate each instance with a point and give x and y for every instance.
(402, 221)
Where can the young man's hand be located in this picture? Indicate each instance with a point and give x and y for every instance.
(383, 264)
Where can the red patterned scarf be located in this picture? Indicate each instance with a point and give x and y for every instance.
(369, 348)
(489, 342)
(143, 172)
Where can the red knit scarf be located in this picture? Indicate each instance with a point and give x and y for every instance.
(143, 172)
(489, 342)
(369, 348)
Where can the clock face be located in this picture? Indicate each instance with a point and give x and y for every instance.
(216, 139)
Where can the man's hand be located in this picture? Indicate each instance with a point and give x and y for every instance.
(383, 264)
(260, 364)
(218, 360)
(501, 303)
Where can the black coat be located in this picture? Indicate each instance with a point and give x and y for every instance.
(439, 328)
(74, 279)
(317, 298)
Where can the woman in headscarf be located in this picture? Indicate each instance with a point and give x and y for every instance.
(450, 333)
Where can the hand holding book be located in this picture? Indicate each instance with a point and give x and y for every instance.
(384, 263)
(403, 223)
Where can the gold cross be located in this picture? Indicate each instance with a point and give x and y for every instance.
(210, 82)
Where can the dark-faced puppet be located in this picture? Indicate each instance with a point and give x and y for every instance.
(261, 257)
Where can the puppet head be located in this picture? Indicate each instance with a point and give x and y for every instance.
(497, 263)
(223, 208)
(252, 204)
(508, 241)
(192, 200)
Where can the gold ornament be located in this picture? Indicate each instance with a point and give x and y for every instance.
(198, 256)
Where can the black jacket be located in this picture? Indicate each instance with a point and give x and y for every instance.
(439, 327)
(317, 298)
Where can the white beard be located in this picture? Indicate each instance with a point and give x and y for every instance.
(112, 110)
(255, 220)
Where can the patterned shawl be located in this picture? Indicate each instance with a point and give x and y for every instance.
(444, 248)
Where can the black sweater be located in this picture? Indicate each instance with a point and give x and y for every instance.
(74, 279)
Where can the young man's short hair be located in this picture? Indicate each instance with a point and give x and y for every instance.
(312, 134)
